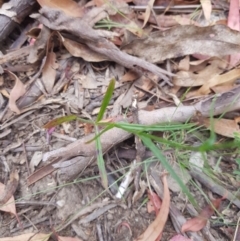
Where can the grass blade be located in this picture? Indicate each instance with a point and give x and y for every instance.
(148, 142)
(100, 161)
(158, 127)
(106, 99)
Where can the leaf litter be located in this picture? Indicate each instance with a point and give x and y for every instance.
(181, 61)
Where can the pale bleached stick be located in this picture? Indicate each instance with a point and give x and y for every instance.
(215, 105)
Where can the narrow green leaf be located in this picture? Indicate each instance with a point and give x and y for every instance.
(158, 127)
(106, 99)
(165, 141)
(100, 161)
(134, 128)
(148, 142)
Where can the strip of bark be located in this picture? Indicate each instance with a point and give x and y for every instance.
(22, 9)
(95, 39)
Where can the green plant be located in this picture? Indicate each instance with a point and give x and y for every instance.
(150, 140)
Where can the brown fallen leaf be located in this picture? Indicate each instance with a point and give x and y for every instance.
(49, 71)
(154, 203)
(69, 7)
(10, 188)
(42, 172)
(224, 127)
(148, 11)
(81, 50)
(28, 237)
(129, 76)
(199, 222)
(222, 88)
(17, 91)
(9, 206)
(228, 77)
(193, 78)
(7, 202)
(156, 227)
(184, 64)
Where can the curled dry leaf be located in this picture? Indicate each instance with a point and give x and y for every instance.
(199, 222)
(69, 7)
(28, 237)
(156, 227)
(49, 71)
(17, 91)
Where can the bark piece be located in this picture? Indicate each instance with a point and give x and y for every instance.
(97, 40)
(22, 8)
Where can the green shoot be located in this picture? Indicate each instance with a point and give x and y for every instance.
(100, 160)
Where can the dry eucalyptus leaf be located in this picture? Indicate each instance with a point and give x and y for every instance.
(184, 64)
(9, 206)
(148, 11)
(217, 40)
(49, 71)
(69, 7)
(17, 91)
(198, 78)
(155, 229)
(129, 76)
(81, 50)
(228, 77)
(222, 88)
(199, 222)
(224, 127)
